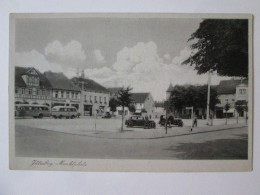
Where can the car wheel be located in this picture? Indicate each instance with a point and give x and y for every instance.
(54, 116)
(72, 117)
(40, 115)
(60, 117)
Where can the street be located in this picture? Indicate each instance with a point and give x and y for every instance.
(78, 138)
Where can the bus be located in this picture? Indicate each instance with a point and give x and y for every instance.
(64, 111)
(32, 110)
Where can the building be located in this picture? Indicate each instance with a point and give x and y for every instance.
(31, 87)
(143, 102)
(64, 92)
(231, 91)
(94, 97)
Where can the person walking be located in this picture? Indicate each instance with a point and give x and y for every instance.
(195, 123)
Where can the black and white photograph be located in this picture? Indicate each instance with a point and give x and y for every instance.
(131, 92)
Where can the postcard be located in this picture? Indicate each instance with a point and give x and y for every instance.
(138, 92)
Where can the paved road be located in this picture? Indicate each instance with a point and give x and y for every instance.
(37, 142)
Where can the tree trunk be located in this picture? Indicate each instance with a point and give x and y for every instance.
(226, 118)
(123, 114)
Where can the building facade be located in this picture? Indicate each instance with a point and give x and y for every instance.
(143, 102)
(229, 92)
(31, 87)
(64, 92)
(94, 97)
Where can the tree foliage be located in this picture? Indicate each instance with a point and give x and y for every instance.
(113, 103)
(190, 95)
(220, 45)
(132, 108)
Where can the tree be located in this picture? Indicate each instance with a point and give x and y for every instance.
(124, 100)
(239, 106)
(189, 95)
(226, 108)
(220, 45)
(132, 108)
(113, 103)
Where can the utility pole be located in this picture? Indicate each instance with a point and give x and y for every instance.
(208, 98)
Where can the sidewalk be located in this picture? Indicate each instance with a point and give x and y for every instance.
(154, 133)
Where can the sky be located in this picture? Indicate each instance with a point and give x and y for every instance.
(143, 53)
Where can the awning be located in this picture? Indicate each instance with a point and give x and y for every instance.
(231, 110)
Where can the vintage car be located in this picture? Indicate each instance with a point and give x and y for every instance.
(107, 115)
(140, 121)
(171, 121)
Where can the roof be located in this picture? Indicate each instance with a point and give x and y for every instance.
(20, 71)
(89, 85)
(139, 97)
(60, 81)
(114, 90)
(170, 88)
(229, 86)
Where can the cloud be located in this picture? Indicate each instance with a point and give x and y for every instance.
(184, 54)
(167, 57)
(141, 68)
(71, 54)
(35, 59)
(100, 59)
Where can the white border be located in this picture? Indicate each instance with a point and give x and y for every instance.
(130, 165)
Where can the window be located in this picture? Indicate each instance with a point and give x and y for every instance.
(76, 95)
(85, 97)
(34, 91)
(96, 99)
(62, 94)
(16, 90)
(100, 99)
(56, 94)
(90, 98)
(242, 91)
(30, 91)
(105, 99)
(38, 92)
(72, 95)
(67, 94)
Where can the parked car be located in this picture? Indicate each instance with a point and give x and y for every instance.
(64, 111)
(107, 115)
(140, 121)
(170, 121)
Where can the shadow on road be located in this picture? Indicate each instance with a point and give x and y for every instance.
(225, 149)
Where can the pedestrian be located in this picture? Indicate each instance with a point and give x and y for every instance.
(195, 123)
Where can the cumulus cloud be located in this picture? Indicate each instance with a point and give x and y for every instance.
(35, 59)
(100, 59)
(143, 57)
(184, 54)
(167, 57)
(70, 54)
(141, 68)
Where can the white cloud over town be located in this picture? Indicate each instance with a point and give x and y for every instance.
(139, 66)
(100, 59)
(69, 55)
